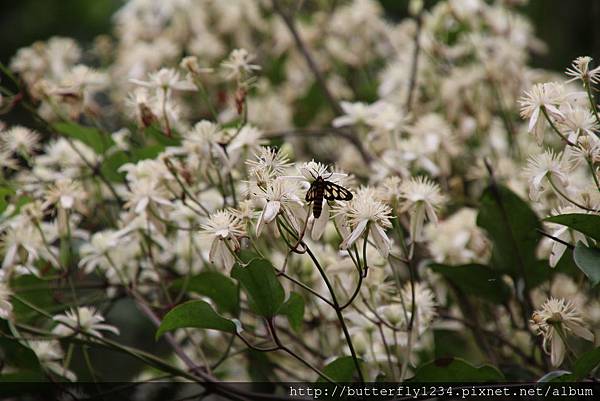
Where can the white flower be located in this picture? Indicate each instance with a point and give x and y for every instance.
(557, 318)
(425, 305)
(308, 173)
(548, 96)
(238, 64)
(546, 168)
(422, 199)
(580, 69)
(191, 64)
(355, 113)
(83, 319)
(365, 213)
(22, 244)
(64, 194)
(7, 160)
(268, 163)
(577, 121)
(147, 194)
(93, 253)
(457, 239)
(139, 103)
(6, 307)
(19, 140)
(166, 79)
(249, 138)
(225, 229)
(279, 194)
(50, 355)
(566, 234)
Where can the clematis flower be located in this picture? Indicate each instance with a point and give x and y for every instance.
(83, 319)
(422, 199)
(6, 307)
(50, 355)
(545, 169)
(365, 214)
(225, 229)
(279, 194)
(548, 96)
(556, 319)
(166, 79)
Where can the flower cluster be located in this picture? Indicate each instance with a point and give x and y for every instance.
(353, 157)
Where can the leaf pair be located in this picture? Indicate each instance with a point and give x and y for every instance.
(266, 297)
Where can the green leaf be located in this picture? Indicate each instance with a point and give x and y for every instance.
(512, 227)
(556, 376)
(21, 358)
(265, 293)
(456, 370)
(161, 137)
(341, 370)
(148, 152)
(218, 287)
(588, 260)
(35, 291)
(5, 194)
(197, 314)
(110, 166)
(478, 280)
(586, 363)
(97, 140)
(293, 308)
(587, 224)
(247, 256)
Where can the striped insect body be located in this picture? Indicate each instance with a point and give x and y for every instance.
(322, 189)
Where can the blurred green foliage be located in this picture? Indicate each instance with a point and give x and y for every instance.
(25, 21)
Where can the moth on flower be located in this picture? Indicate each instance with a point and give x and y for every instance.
(321, 188)
(320, 192)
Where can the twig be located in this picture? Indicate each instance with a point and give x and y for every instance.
(291, 25)
(545, 234)
(415, 64)
(312, 65)
(309, 132)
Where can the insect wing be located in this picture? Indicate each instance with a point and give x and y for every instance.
(336, 192)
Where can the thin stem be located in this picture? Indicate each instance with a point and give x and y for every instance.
(588, 89)
(563, 137)
(338, 312)
(336, 304)
(415, 63)
(594, 174)
(567, 198)
(281, 346)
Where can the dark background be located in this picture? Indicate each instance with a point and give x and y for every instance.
(569, 28)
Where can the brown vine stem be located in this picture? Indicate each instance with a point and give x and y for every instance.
(415, 64)
(317, 132)
(281, 346)
(312, 65)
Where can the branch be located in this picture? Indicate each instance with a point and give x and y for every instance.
(289, 22)
(310, 132)
(312, 65)
(415, 64)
